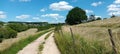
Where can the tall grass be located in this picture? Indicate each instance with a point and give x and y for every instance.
(22, 43)
(80, 45)
(109, 23)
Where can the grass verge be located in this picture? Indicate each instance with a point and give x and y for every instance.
(47, 35)
(41, 47)
(22, 43)
(80, 45)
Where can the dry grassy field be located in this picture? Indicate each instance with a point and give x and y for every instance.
(98, 31)
(22, 35)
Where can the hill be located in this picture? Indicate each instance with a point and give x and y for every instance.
(111, 22)
(96, 31)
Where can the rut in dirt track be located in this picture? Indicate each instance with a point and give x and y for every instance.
(50, 46)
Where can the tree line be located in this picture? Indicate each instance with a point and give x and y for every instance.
(78, 15)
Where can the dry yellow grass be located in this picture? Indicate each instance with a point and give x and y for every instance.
(98, 30)
(112, 22)
(8, 42)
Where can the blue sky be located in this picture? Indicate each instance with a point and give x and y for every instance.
(53, 11)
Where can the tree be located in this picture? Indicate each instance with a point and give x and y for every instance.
(92, 18)
(76, 16)
(1, 23)
(98, 18)
(17, 26)
(113, 16)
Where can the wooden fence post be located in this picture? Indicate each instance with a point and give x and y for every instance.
(73, 40)
(112, 41)
(62, 33)
(72, 36)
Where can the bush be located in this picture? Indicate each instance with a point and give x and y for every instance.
(18, 27)
(1, 38)
(7, 32)
(12, 33)
(98, 18)
(22, 43)
(40, 28)
(1, 23)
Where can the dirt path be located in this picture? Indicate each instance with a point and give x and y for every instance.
(21, 35)
(32, 48)
(50, 46)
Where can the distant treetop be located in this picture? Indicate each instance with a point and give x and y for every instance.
(76, 16)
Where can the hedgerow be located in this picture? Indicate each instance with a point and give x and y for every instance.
(18, 27)
(6, 32)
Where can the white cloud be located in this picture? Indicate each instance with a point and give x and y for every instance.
(25, 0)
(23, 16)
(56, 16)
(114, 8)
(39, 19)
(117, 1)
(62, 5)
(2, 14)
(95, 4)
(43, 9)
(115, 13)
(36, 18)
(89, 11)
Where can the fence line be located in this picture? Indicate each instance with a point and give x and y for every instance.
(110, 34)
(73, 39)
(112, 41)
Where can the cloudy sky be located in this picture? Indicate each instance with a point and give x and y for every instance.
(54, 10)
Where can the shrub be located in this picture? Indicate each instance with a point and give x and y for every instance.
(12, 33)
(7, 32)
(91, 18)
(13, 49)
(1, 23)
(98, 18)
(1, 38)
(113, 16)
(40, 28)
(18, 27)
(3, 33)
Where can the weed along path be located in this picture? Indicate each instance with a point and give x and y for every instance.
(50, 47)
(32, 48)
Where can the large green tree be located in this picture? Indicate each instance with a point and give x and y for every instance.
(76, 16)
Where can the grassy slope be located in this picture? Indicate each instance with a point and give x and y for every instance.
(22, 43)
(93, 32)
(21, 35)
(111, 22)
